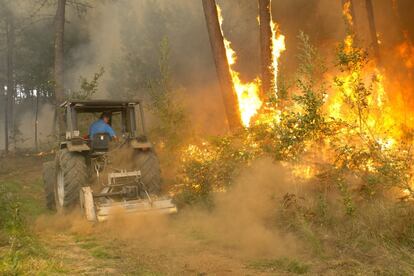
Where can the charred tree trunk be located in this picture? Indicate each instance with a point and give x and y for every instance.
(265, 46)
(372, 28)
(222, 66)
(9, 112)
(59, 64)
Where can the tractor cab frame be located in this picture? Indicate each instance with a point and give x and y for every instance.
(132, 123)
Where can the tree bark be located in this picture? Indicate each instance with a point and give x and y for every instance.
(222, 66)
(59, 64)
(9, 112)
(372, 28)
(265, 46)
(36, 124)
(6, 125)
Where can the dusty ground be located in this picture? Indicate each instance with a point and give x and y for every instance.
(229, 242)
(127, 246)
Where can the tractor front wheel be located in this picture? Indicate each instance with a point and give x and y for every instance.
(71, 175)
(49, 180)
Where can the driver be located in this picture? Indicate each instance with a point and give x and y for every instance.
(102, 126)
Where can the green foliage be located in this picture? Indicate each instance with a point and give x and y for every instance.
(287, 136)
(101, 253)
(20, 251)
(88, 88)
(173, 125)
(212, 166)
(13, 233)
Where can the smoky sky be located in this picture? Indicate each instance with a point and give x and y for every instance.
(124, 37)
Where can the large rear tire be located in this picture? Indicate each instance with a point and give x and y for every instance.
(71, 175)
(49, 179)
(147, 162)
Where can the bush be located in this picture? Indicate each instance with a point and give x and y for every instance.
(19, 249)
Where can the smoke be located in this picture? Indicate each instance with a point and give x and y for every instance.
(124, 38)
(244, 217)
(26, 125)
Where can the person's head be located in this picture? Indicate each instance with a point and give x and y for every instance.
(106, 116)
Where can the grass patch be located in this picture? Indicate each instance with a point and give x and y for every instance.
(102, 253)
(80, 238)
(282, 264)
(88, 245)
(21, 253)
(29, 197)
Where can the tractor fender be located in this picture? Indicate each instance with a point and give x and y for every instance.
(76, 148)
(140, 145)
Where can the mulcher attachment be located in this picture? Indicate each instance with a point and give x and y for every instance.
(124, 193)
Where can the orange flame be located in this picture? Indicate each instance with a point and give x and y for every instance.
(278, 46)
(346, 11)
(406, 53)
(247, 93)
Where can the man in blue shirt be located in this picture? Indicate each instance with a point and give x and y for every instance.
(102, 126)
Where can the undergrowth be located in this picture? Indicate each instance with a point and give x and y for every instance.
(20, 251)
(352, 209)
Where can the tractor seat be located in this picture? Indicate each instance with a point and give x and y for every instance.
(100, 142)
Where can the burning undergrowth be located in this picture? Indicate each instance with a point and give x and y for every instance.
(343, 143)
(332, 125)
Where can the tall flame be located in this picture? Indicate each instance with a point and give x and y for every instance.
(381, 117)
(278, 46)
(247, 93)
(346, 11)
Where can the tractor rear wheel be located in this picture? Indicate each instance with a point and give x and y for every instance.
(49, 179)
(71, 175)
(147, 162)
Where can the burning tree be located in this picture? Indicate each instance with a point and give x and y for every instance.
(221, 61)
(344, 121)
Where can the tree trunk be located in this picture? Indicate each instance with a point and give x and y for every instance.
(36, 126)
(9, 112)
(6, 125)
(372, 28)
(222, 66)
(265, 46)
(59, 65)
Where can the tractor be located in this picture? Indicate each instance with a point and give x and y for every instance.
(105, 177)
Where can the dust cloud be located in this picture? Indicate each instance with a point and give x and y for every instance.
(243, 220)
(245, 217)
